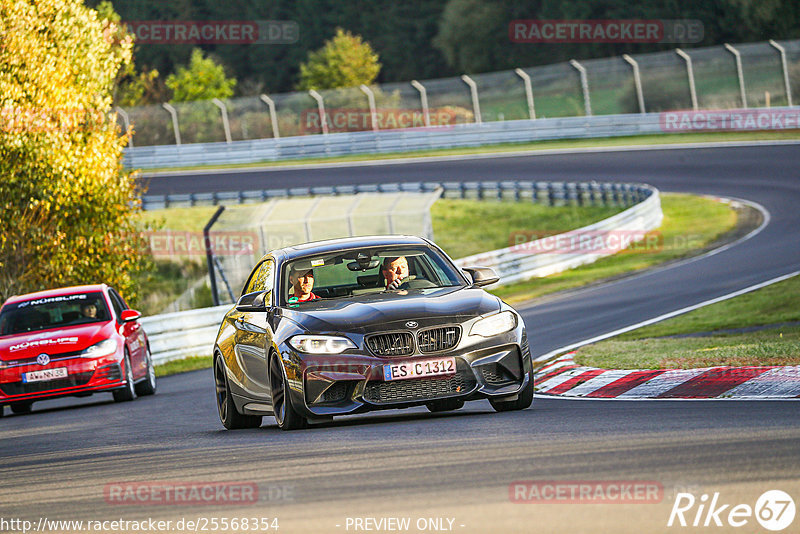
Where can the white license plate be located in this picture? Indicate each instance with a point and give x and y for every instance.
(45, 374)
(417, 369)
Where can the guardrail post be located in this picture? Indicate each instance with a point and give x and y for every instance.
(224, 112)
(321, 107)
(127, 121)
(273, 117)
(787, 86)
(175, 128)
(690, 74)
(210, 254)
(637, 80)
(423, 97)
(373, 112)
(526, 79)
(739, 72)
(587, 103)
(473, 89)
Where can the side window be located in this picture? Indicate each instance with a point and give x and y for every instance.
(116, 302)
(262, 279)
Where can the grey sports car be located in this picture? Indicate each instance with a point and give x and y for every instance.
(351, 325)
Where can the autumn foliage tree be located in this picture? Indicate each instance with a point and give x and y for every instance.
(66, 204)
(345, 61)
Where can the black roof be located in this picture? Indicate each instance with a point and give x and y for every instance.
(333, 245)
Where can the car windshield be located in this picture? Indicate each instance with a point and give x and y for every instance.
(53, 312)
(361, 271)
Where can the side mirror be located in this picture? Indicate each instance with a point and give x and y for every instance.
(482, 276)
(129, 315)
(255, 301)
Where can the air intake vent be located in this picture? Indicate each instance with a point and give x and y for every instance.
(392, 344)
(438, 339)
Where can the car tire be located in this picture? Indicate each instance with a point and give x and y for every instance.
(148, 385)
(285, 414)
(524, 400)
(21, 407)
(126, 393)
(445, 405)
(229, 416)
(2, 411)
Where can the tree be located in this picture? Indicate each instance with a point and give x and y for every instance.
(203, 79)
(472, 35)
(345, 61)
(66, 205)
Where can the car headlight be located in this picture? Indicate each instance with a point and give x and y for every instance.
(314, 344)
(494, 324)
(107, 347)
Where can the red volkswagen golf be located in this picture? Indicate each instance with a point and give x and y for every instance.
(73, 341)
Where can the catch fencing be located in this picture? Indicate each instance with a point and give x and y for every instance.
(473, 109)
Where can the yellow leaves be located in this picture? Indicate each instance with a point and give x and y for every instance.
(63, 188)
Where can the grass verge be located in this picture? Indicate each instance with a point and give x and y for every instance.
(691, 224)
(466, 227)
(557, 144)
(712, 335)
(192, 363)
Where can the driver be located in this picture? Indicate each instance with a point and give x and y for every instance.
(395, 271)
(89, 310)
(302, 283)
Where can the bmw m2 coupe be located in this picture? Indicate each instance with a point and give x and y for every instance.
(352, 325)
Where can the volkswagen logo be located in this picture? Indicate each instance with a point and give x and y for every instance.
(43, 359)
(412, 324)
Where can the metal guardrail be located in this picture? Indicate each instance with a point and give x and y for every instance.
(180, 334)
(521, 262)
(438, 137)
(551, 193)
(389, 141)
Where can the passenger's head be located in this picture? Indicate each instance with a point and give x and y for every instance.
(89, 309)
(395, 268)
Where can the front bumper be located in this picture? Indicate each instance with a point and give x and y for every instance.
(83, 376)
(322, 386)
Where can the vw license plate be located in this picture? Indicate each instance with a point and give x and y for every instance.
(45, 374)
(417, 369)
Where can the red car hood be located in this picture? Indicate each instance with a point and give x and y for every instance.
(54, 341)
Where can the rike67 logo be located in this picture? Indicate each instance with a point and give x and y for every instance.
(774, 510)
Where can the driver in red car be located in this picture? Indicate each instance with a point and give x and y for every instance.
(302, 283)
(89, 310)
(395, 271)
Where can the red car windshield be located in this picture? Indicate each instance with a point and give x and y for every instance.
(53, 312)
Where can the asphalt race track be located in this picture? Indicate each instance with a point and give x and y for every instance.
(60, 461)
